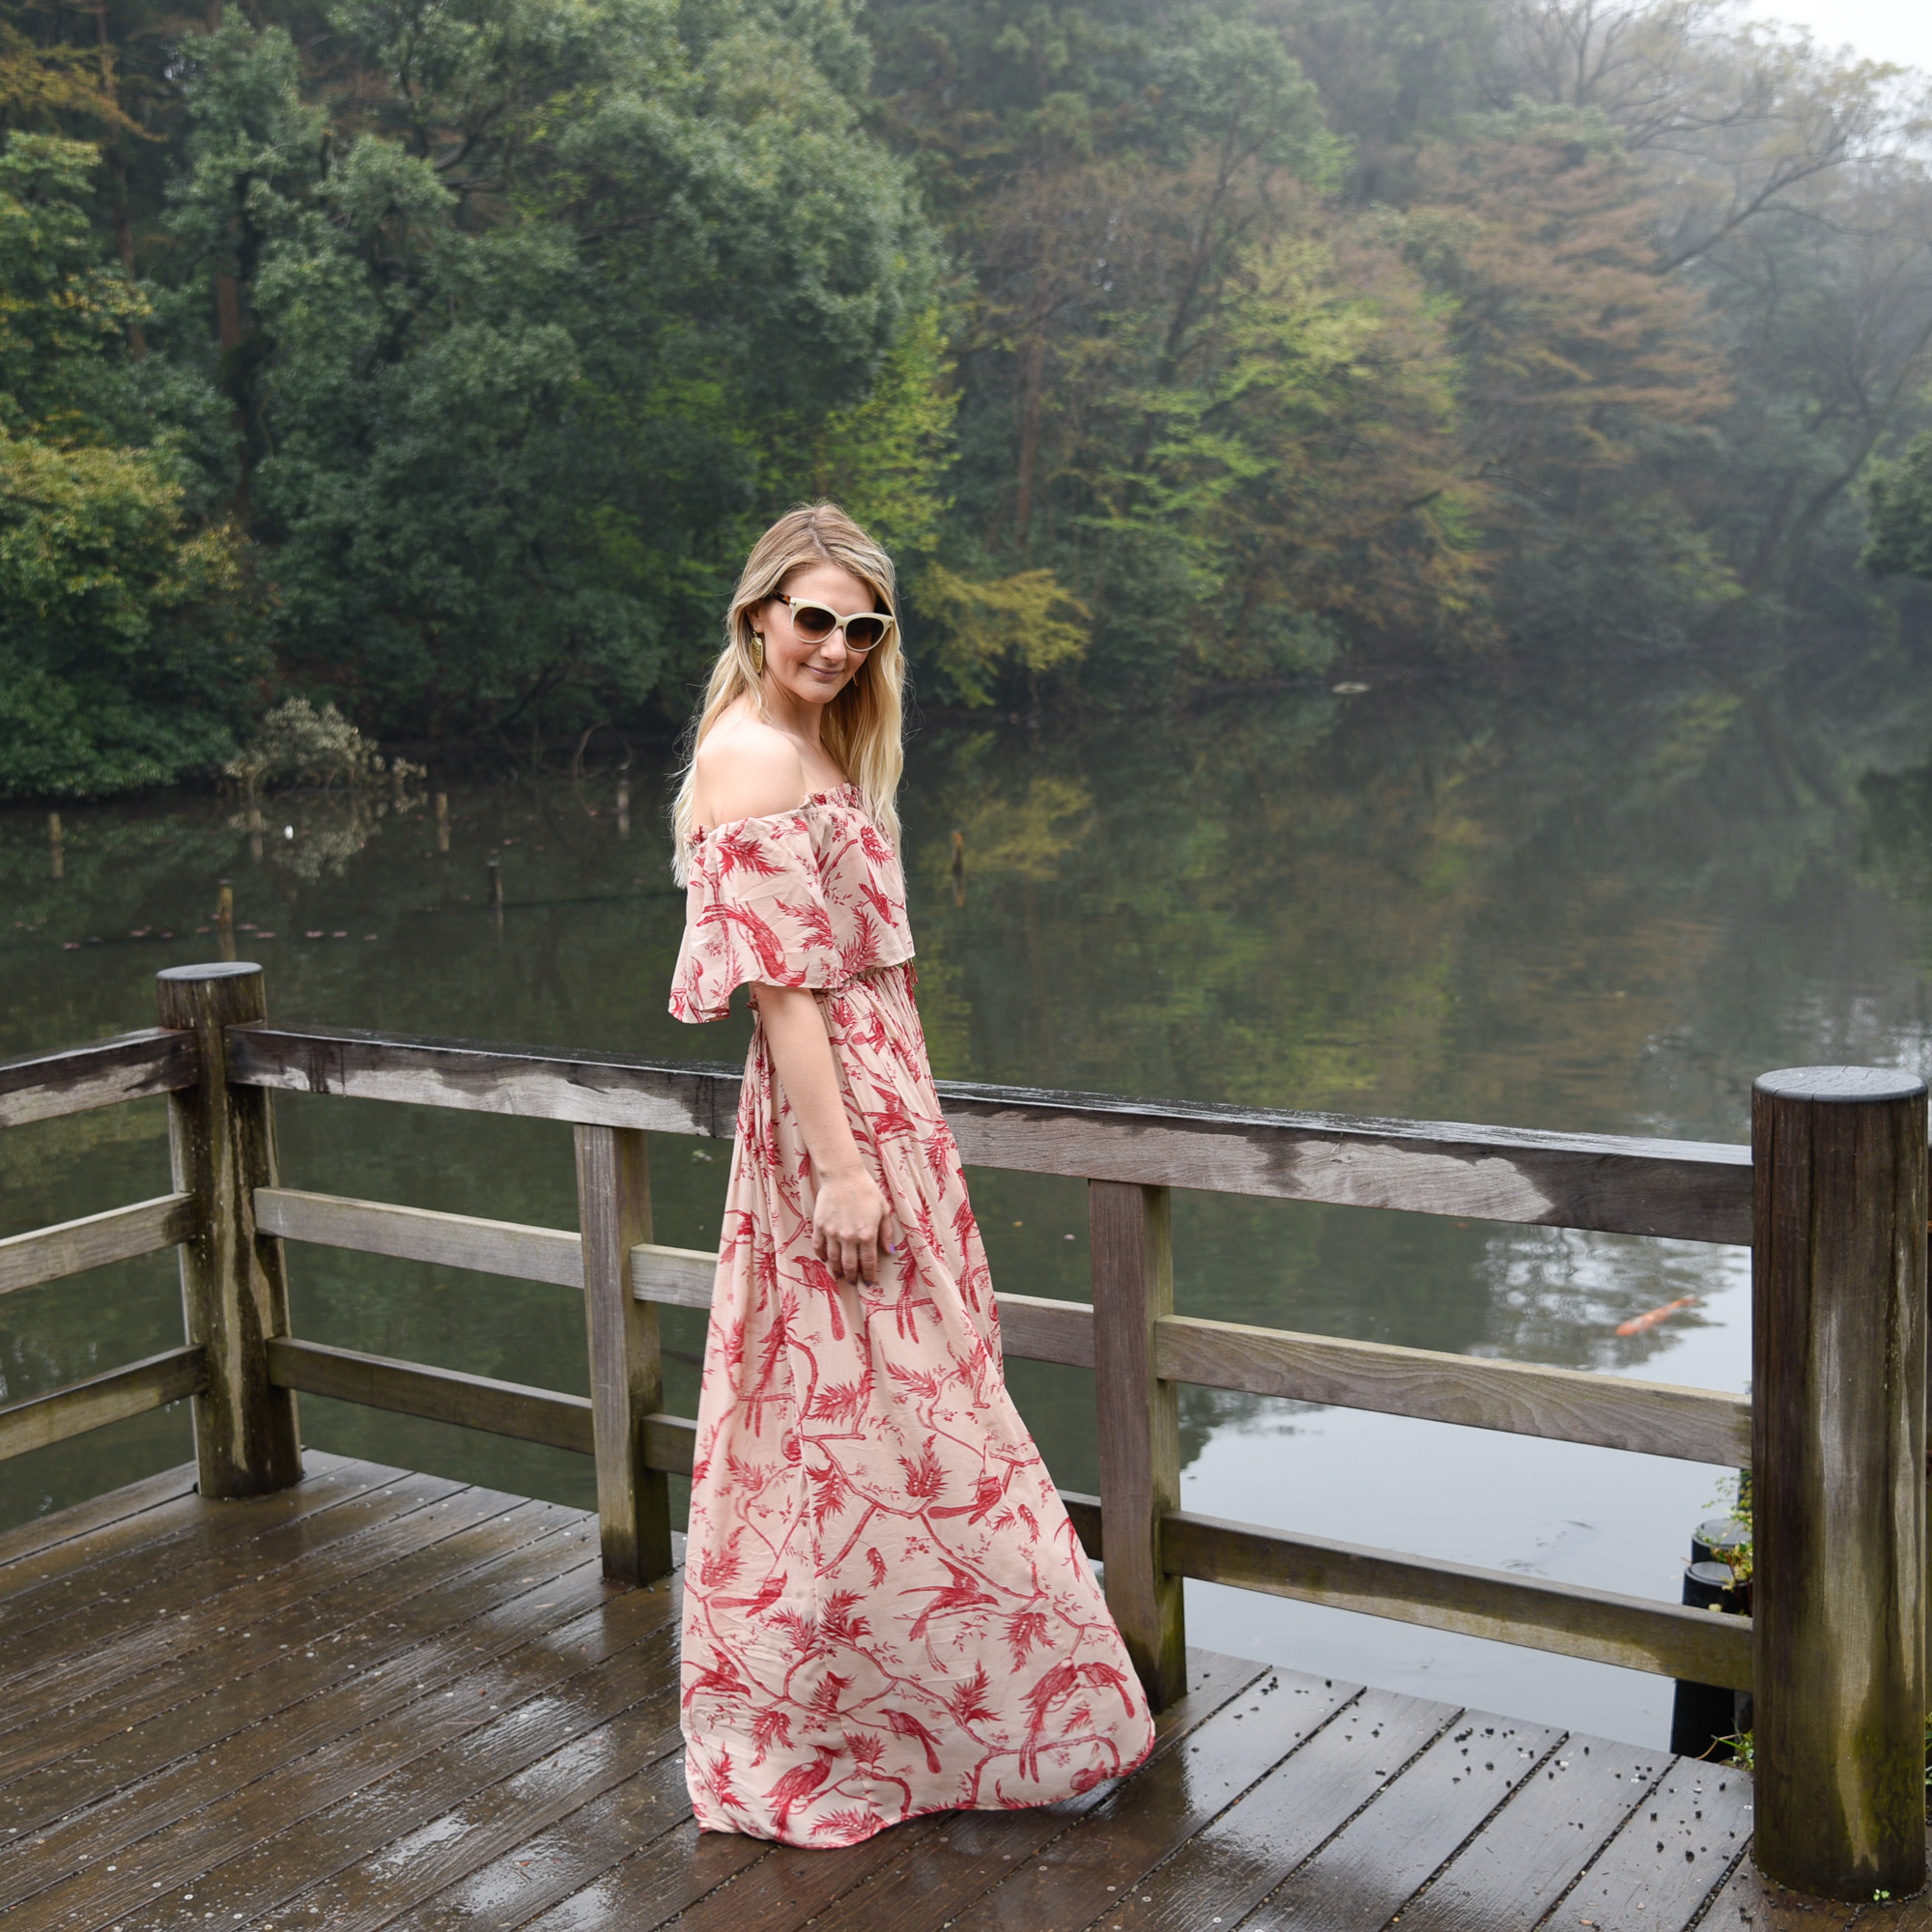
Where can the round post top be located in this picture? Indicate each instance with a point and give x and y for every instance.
(213, 969)
(1849, 1084)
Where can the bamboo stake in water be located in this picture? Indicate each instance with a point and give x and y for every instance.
(57, 852)
(442, 821)
(224, 921)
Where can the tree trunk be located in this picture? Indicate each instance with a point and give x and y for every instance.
(1032, 369)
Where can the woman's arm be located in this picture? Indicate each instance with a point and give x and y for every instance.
(749, 771)
(850, 1220)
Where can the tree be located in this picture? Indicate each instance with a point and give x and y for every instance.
(1899, 503)
(125, 654)
(1590, 384)
(513, 365)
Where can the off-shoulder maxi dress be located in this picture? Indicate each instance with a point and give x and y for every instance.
(885, 1611)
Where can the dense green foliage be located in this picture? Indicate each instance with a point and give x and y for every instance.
(439, 357)
(120, 662)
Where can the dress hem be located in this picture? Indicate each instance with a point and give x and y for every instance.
(818, 1844)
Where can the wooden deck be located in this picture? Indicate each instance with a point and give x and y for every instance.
(386, 1699)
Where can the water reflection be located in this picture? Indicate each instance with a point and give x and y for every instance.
(1575, 900)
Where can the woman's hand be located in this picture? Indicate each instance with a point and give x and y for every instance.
(851, 1224)
(850, 1219)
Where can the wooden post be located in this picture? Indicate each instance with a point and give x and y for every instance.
(1838, 1479)
(224, 921)
(493, 875)
(57, 851)
(613, 1215)
(1140, 1427)
(442, 821)
(235, 1292)
(624, 808)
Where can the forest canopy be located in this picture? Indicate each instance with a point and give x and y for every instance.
(438, 358)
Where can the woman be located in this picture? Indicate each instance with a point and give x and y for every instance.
(885, 1611)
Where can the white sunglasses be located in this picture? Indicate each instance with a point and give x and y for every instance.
(813, 623)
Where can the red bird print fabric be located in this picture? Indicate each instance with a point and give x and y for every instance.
(811, 897)
(885, 1611)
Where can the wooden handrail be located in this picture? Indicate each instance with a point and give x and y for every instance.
(130, 1066)
(1689, 1190)
(217, 1056)
(1517, 1397)
(112, 1396)
(1598, 1626)
(1569, 1619)
(47, 1254)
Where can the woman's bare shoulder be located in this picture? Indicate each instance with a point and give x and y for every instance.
(745, 769)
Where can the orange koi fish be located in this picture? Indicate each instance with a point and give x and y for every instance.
(1638, 1323)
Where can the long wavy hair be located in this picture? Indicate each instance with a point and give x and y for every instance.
(863, 725)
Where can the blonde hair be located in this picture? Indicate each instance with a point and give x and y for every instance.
(862, 723)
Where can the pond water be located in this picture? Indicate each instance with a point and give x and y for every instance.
(1598, 899)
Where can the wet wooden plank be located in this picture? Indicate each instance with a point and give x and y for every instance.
(1089, 1868)
(1535, 1847)
(66, 1530)
(960, 1856)
(171, 1741)
(167, 1544)
(278, 1832)
(1520, 1397)
(1636, 1632)
(61, 1533)
(1655, 1875)
(644, 1817)
(265, 1850)
(920, 1873)
(84, 1533)
(444, 1395)
(113, 1396)
(130, 1066)
(164, 1593)
(247, 1731)
(72, 1247)
(1751, 1903)
(154, 1663)
(641, 1747)
(649, 1889)
(1691, 1190)
(915, 1869)
(1234, 1860)
(1363, 1875)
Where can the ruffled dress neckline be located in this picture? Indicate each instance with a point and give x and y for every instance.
(845, 794)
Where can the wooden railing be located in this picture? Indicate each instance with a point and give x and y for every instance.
(1833, 1197)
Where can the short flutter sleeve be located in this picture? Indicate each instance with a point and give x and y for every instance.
(810, 898)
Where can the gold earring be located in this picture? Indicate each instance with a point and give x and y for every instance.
(757, 653)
